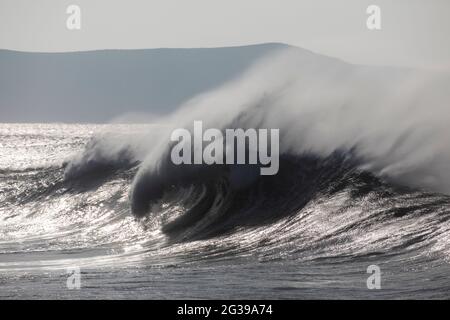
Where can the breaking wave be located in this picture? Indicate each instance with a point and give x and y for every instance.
(394, 121)
(364, 153)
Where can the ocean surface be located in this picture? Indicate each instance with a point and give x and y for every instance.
(309, 232)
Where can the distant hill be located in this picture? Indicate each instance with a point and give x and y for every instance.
(96, 86)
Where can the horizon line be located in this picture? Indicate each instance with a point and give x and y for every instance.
(157, 48)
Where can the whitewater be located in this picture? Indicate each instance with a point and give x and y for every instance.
(364, 179)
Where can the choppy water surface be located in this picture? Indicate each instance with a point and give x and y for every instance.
(309, 232)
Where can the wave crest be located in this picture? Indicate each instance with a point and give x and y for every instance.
(394, 121)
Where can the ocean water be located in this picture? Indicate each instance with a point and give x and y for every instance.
(310, 232)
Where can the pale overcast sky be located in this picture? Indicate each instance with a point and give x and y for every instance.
(414, 32)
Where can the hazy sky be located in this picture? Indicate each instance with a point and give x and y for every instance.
(414, 32)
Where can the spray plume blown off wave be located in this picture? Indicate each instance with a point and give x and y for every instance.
(394, 121)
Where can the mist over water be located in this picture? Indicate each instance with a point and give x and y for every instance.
(395, 121)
